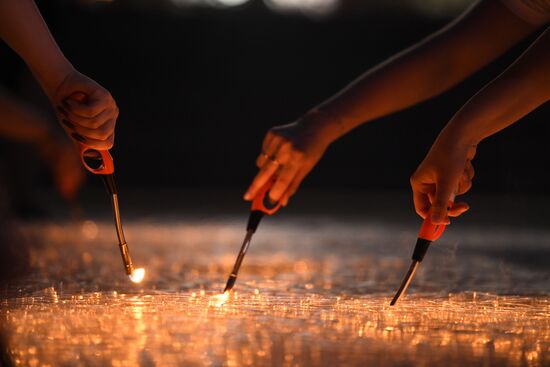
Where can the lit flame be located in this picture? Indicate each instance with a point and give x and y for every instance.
(137, 275)
(220, 299)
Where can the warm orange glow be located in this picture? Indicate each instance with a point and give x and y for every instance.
(137, 275)
(220, 299)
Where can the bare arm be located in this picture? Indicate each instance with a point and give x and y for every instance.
(92, 122)
(520, 89)
(24, 30)
(431, 66)
(418, 73)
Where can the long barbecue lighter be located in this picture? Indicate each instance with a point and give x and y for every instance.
(428, 233)
(260, 207)
(100, 162)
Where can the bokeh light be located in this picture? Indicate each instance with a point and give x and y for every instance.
(306, 7)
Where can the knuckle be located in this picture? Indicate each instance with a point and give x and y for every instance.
(287, 145)
(103, 134)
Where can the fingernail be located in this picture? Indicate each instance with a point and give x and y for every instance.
(78, 137)
(61, 110)
(67, 123)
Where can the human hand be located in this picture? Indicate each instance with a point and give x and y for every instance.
(291, 151)
(90, 121)
(446, 170)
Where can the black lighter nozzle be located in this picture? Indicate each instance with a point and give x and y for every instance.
(230, 283)
(254, 220)
(420, 249)
(110, 184)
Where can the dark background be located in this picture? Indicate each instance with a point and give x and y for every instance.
(198, 87)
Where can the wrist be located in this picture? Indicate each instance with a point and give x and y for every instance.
(52, 76)
(455, 143)
(326, 125)
(462, 133)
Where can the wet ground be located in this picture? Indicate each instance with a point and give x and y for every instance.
(314, 290)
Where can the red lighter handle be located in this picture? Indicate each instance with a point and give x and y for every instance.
(261, 199)
(102, 160)
(104, 165)
(429, 231)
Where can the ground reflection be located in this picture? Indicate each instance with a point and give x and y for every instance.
(289, 309)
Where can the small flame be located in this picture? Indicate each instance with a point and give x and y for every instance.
(220, 299)
(137, 275)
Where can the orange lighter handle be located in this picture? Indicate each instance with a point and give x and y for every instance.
(261, 200)
(429, 231)
(106, 165)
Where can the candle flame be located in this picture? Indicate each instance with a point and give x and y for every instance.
(137, 275)
(220, 299)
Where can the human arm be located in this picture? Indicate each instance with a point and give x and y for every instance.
(416, 74)
(92, 122)
(520, 89)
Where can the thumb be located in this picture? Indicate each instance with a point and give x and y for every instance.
(440, 205)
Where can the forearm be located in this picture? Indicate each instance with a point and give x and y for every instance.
(24, 30)
(520, 89)
(429, 67)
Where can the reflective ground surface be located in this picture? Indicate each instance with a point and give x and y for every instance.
(313, 291)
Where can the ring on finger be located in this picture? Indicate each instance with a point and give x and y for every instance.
(274, 161)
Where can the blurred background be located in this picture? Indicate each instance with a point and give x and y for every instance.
(199, 82)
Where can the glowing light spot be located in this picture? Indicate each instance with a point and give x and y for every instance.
(210, 3)
(256, 291)
(137, 275)
(232, 2)
(307, 7)
(220, 299)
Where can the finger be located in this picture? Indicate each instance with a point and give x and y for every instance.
(101, 133)
(421, 203)
(260, 161)
(440, 205)
(88, 109)
(92, 122)
(271, 148)
(259, 181)
(469, 170)
(421, 198)
(94, 143)
(284, 179)
(296, 182)
(458, 208)
(464, 185)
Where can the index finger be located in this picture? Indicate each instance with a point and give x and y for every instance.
(88, 109)
(259, 181)
(421, 202)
